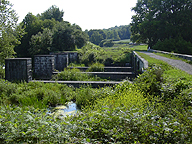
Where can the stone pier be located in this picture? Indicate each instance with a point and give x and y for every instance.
(43, 66)
(18, 69)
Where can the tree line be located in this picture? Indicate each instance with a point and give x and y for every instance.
(48, 32)
(163, 24)
(105, 37)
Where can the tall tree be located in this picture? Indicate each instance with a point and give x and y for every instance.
(53, 12)
(63, 38)
(32, 26)
(10, 32)
(96, 38)
(158, 20)
(41, 43)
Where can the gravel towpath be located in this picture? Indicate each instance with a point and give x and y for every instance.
(176, 63)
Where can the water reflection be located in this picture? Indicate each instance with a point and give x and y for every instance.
(63, 111)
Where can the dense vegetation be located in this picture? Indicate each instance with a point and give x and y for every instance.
(119, 55)
(41, 34)
(156, 108)
(47, 32)
(163, 24)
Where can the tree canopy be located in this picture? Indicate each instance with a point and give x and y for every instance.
(53, 12)
(159, 20)
(10, 32)
(47, 32)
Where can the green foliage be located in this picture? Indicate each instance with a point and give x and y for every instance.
(87, 97)
(41, 43)
(107, 43)
(30, 125)
(2, 72)
(162, 21)
(53, 12)
(162, 80)
(124, 58)
(90, 53)
(48, 32)
(178, 45)
(10, 32)
(96, 67)
(115, 33)
(36, 94)
(122, 114)
(74, 75)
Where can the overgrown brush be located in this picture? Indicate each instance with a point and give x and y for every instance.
(36, 94)
(156, 108)
(96, 67)
(75, 75)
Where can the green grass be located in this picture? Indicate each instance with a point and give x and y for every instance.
(171, 56)
(175, 73)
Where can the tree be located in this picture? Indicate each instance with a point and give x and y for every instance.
(116, 35)
(10, 32)
(158, 20)
(41, 43)
(32, 26)
(63, 38)
(96, 38)
(53, 12)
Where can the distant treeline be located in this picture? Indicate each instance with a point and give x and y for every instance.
(104, 37)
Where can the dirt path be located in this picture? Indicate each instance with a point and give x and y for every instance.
(176, 63)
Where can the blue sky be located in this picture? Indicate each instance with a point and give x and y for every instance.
(88, 14)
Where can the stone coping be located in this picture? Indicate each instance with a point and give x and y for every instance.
(18, 59)
(145, 63)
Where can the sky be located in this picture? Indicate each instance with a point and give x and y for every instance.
(88, 14)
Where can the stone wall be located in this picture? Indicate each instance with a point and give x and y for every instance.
(43, 66)
(73, 57)
(63, 59)
(138, 63)
(18, 69)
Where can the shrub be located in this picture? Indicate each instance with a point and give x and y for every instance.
(90, 53)
(2, 72)
(150, 81)
(71, 75)
(177, 45)
(96, 67)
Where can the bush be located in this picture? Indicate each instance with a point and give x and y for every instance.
(2, 72)
(90, 54)
(96, 67)
(177, 45)
(107, 43)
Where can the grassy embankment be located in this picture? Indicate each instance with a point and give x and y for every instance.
(156, 108)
